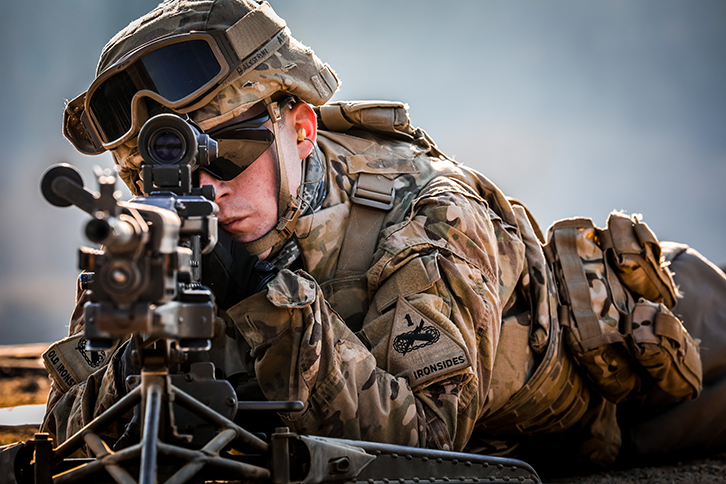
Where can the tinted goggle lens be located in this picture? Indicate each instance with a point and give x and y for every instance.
(174, 72)
(239, 146)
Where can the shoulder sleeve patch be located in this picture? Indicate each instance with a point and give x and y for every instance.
(69, 362)
(420, 349)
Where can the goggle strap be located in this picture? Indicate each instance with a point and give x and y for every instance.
(92, 136)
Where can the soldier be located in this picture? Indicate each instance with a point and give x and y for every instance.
(397, 293)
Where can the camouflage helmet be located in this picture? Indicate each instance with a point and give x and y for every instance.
(272, 62)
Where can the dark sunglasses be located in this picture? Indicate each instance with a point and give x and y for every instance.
(239, 145)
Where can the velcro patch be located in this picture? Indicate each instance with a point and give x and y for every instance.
(420, 349)
(69, 362)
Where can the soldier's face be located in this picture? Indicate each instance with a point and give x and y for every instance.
(248, 202)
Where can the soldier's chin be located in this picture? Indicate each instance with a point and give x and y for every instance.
(247, 237)
(243, 230)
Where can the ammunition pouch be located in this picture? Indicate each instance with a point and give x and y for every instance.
(615, 293)
(634, 252)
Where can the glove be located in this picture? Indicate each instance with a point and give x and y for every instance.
(232, 273)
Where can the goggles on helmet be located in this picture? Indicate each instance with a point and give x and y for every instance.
(181, 72)
(175, 72)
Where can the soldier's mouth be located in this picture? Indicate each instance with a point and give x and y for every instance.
(232, 224)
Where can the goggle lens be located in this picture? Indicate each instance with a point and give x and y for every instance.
(174, 72)
(178, 70)
(111, 106)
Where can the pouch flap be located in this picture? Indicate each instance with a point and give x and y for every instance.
(388, 117)
(669, 326)
(416, 276)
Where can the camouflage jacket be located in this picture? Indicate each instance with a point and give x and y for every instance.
(454, 336)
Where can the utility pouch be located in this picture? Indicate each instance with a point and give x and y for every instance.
(635, 254)
(622, 357)
(384, 117)
(665, 350)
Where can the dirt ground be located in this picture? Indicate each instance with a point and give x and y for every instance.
(25, 383)
(705, 471)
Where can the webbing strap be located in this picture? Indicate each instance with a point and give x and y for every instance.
(669, 326)
(254, 34)
(577, 286)
(372, 197)
(369, 207)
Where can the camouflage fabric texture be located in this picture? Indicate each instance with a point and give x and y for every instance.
(459, 340)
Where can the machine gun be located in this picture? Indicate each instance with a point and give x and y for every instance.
(145, 284)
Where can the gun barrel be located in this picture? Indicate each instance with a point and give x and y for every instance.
(112, 231)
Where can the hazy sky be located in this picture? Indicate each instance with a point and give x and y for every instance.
(576, 108)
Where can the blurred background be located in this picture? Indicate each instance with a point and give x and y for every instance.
(575, 108)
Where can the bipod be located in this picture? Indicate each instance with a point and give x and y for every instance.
(163, 454)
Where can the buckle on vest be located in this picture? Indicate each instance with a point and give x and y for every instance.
(287, 222)
(376, 191)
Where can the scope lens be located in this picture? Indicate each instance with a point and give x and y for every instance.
(167, 147)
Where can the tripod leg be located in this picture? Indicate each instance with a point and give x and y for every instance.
(150, 434)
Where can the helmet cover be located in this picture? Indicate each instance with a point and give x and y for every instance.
(293, 68)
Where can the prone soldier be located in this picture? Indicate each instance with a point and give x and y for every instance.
(400, 295)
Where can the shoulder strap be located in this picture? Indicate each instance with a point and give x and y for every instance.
(373, 194)
(372, 197)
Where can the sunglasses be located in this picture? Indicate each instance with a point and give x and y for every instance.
(239, 145)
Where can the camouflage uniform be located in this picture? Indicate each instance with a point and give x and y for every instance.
(454, 319)
(449, 338)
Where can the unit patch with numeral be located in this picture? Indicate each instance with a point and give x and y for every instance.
(420, 349)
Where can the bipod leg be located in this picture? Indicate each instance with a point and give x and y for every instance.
(209, 454)
(105, 458)
(101, 451)
(151, 421)
(115, 412)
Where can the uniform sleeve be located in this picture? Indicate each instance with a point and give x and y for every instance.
(423, 373)
(69, 411)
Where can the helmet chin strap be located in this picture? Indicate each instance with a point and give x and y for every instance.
(288, 209)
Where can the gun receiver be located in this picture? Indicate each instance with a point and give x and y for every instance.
(145, 280)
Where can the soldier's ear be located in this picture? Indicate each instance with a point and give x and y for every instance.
(306, 127)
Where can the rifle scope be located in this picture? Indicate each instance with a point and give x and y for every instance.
(167, 139)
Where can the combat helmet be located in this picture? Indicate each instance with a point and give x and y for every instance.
(240, 52)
